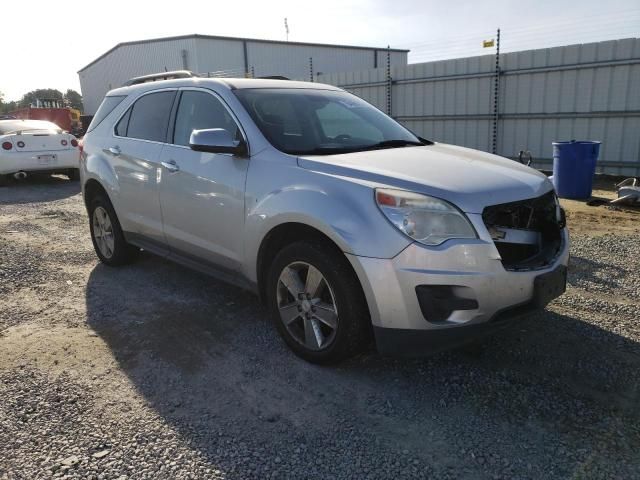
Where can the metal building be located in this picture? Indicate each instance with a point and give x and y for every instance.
(224, 56)
(586, 92)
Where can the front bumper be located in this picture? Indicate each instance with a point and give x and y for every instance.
(414, 343)
(491, 295)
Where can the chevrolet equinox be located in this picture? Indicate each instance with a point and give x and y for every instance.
(348, 226)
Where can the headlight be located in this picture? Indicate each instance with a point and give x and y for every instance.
(426, 219)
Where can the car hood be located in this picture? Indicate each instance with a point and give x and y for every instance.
(470, 179)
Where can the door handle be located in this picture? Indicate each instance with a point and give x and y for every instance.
(114, 150)
(171, 166)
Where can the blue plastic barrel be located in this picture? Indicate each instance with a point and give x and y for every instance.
(574, 165)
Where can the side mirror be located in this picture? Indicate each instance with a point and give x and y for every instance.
(216, 140)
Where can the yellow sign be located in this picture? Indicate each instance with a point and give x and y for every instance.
(488, 43)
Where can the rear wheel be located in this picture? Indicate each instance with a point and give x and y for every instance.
(106, 234)
(317, 303)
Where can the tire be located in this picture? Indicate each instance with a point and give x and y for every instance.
(3, 180)
(339, 285)
(117, 251)
(73, 174)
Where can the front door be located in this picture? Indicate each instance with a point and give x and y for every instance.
(202, 194)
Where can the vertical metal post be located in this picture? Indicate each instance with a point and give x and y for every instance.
(253, 72)
(245, 57)
(496, 97)
(388, 80)
(185, 63)
(311, 69)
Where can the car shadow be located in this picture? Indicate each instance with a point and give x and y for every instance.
(38, 188)
(584, 271)
(205, 357)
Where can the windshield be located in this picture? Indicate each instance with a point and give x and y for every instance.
(321, 122)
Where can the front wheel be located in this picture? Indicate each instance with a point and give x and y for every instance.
(317, 303)
(107, 237)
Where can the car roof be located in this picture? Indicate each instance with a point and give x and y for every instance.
(227, 83)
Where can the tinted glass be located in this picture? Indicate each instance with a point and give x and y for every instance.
(121, 127)
(150, 116)
(200, 110)
(321, 122)
(105, 108)
(336, 119)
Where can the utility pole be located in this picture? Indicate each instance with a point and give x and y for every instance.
(388, 80)
(496, 97)
(286, 28)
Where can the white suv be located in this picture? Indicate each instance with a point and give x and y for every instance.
(349, 226)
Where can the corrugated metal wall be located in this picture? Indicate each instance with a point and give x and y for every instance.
(224, 57)
(129, 61)
(293, 60)
(587, 92)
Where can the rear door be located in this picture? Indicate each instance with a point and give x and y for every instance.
(202, 194)
(139, 136)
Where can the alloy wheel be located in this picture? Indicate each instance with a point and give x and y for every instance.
(103, 232)
(307, 306)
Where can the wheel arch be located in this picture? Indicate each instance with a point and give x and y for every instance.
(280, 236)
(93, 187)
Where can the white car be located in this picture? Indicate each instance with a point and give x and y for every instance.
(36, 146)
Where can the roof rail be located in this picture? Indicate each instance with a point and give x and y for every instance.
(274, 77)
(159, 76)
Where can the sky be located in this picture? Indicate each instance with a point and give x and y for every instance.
(48, 47)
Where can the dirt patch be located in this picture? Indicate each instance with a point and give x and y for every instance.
(599, 219)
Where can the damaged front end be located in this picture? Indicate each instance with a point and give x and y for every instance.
(527, 233)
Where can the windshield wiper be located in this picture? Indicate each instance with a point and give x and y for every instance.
(393, 144)
(361, 148)
(324, 151)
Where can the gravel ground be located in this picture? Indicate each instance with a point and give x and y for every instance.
(153, 371)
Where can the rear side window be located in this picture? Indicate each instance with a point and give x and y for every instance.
(105, 108)
(148, 118)
(123, 124)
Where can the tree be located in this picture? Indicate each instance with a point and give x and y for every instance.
(41, 93)
(6, 107)
(73, 99)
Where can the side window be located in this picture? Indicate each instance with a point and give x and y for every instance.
(149, 116)
(121, 127)
(200, 110)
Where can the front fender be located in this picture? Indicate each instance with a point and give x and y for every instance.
(342, 210)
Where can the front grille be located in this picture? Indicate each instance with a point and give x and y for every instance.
(527, 233)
